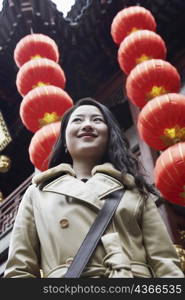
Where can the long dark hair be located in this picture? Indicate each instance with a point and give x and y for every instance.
(118, 152)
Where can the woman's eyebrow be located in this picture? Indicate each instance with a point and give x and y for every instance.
(82, 115)
(78, 115)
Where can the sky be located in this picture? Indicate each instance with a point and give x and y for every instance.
(62, 5)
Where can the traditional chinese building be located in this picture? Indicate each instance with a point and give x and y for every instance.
(88, 57)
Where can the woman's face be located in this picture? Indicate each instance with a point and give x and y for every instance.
(87, 134)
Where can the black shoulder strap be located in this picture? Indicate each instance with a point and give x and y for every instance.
(94, 234)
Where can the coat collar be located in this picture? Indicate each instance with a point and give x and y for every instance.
(105, 179)
(106, 168)
(53, 173)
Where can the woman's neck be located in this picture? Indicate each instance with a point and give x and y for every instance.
(83, 169)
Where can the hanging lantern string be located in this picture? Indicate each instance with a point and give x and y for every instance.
(41, 82)
(153, 85)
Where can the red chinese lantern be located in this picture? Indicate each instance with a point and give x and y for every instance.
(41, 145)
(150, 79)
(44, 105)
(34, 46)
(129, 20)
(140, 46)
(39, 72)
(161, 122)
(169, 174)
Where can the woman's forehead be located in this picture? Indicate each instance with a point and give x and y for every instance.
(86, 110)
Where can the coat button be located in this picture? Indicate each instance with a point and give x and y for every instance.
(64, 223)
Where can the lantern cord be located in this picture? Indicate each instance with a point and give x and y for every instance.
(31, 30)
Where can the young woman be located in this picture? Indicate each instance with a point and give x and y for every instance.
(90, 160)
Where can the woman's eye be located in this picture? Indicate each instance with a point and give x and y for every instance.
(98, 120)
(77, 120)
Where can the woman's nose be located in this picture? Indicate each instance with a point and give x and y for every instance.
(87, 125)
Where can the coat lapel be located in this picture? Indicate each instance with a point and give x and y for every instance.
(96, 188)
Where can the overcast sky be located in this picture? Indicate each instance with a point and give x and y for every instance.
(62, 5)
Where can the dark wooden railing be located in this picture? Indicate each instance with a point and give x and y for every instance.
(9, 207)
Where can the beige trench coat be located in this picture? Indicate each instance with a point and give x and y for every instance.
(51, 224)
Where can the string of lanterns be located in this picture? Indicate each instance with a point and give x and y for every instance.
(153, 85)
(41, 82)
